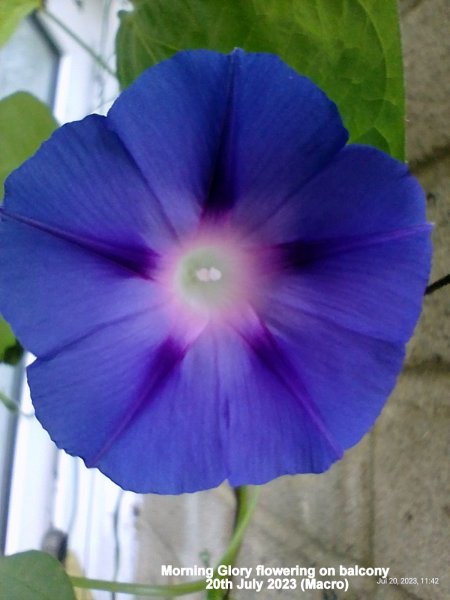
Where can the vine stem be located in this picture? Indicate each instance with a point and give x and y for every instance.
(98, 59)
(9, 403)
(437, 285)
(246, 504)
(12, 406)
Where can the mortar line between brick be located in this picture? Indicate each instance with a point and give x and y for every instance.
(437, 155)
(371, 528)
(409, 594)
(410, 9)
(427, 367)
(308, 540)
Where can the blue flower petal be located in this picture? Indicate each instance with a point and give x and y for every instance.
(170, 120)
(348, 376)
(142, 408)
(361, 191)
(303, 394)
(218, 132)
(279, 131)
(83, 184)
(373, 285)
(273, 426)
(168, 395)
(55, 291)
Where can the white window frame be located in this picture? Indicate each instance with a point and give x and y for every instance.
(47, 483)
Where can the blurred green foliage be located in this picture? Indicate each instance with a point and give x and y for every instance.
(11, 13)
(25, 122)
(33, 575)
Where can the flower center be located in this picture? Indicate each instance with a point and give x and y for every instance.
(205, 278)
(210, 277)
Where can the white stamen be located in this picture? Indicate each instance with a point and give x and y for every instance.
(202, 274)
(205, 275)
(214, 274)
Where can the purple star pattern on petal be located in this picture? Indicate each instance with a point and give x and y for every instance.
(215, 285)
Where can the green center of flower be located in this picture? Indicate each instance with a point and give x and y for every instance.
(205, 278)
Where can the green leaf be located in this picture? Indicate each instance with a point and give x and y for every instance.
(10, 349)
(25, 122)
(11, 13)
(33, 575)
(350, 48)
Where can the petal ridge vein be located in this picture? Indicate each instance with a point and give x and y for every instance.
(269, 354)
(140, 261)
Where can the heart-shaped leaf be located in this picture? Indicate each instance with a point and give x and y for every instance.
(33, 575)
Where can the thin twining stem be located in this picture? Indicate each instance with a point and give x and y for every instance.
(437, 285)
(247, 498)
(13, 406)
(96, 57)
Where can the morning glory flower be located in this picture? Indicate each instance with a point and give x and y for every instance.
(214, 284)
